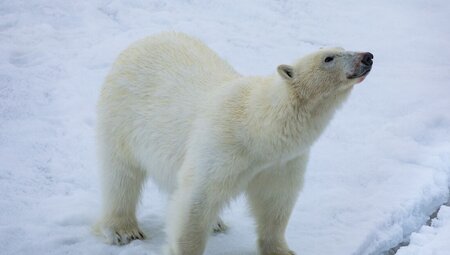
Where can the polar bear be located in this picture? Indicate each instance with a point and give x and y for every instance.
(172, 110)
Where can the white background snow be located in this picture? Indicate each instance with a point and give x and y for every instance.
(378, 172)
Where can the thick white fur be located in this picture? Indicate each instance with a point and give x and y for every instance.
(172, 110)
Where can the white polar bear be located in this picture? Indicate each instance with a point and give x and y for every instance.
(171, 109)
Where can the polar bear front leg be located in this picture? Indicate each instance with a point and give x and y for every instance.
(272, 195)
(194, 209)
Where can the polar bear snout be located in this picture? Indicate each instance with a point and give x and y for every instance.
(362, 65)
(367, 59)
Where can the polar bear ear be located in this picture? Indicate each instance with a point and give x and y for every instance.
(286, 72)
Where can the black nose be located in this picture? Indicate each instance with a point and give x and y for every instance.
(367, 59)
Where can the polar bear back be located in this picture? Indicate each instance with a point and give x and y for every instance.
(150, 99)
(171, 65)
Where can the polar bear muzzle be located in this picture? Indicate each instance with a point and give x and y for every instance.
(362, 66)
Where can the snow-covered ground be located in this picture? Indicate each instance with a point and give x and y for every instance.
(375, 176)
(432, 239)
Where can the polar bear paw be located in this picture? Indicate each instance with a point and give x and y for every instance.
(274, 248)
(124, 236)
(219, 226)
(120, 234)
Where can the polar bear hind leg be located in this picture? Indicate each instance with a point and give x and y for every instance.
(122, 184)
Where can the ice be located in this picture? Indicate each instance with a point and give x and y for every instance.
(431, 239)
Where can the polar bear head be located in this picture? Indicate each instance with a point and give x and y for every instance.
(326, 72)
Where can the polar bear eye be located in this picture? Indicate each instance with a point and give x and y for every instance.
(329, 59)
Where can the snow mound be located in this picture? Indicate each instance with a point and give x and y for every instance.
(431, 240)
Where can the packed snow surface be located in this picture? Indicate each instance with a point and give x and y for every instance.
(431, 240)
(377, 173)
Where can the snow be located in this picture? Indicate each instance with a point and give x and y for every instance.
(431, 240)
(381, 168)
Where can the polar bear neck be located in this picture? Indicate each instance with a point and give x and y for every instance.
(285, 120)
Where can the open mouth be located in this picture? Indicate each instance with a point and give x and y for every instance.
(365, 72)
